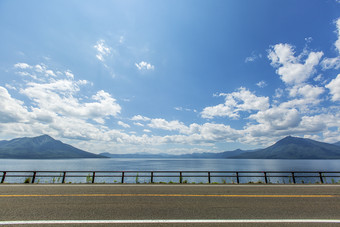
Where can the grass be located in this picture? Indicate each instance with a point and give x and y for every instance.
(27, 180)
(88, 178)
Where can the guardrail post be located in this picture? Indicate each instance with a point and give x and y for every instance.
(237, 178)
(293, 176)
(3, 177)
(63, 180)
(209, 180)
(180, 177)
(122, 177)
(151, 177)
(265, 178)
(93, 176)
(33, 178)
(321, 179)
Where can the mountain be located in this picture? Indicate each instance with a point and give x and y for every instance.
(295, 148)
(225, 154)
(41, 147)
(337, 143)
(137, 155)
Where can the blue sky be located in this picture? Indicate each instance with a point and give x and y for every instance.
(170, 76)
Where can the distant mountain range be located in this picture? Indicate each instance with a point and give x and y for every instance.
(287, 148)
(45, 147)
(226, 154)
(296, 148)
(41, 147)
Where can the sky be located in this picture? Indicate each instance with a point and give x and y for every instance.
(171, 76)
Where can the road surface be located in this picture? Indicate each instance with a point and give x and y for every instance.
(171, 205)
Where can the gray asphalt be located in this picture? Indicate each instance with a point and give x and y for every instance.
(154, 202)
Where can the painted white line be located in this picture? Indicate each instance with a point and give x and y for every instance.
(44, 222)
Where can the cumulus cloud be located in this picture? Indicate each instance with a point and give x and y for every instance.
(59, 97)
(22, 66)
(55, 96)
(329, 63)
(138, 124)
(262, 84)
(239, 101)
(275, 119)
(334, 87)
(12, 110)
(307, 91)
(140, 118)
(337, 42)
(159, 123)
(69, 74)
(253, 57)
(278, 93)
(124, 125)
(102, 50)
(144, 66)
(289, 67)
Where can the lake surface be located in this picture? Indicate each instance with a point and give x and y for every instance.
(169, 164)
(166, 165)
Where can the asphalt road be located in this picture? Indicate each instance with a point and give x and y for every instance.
(185, 203)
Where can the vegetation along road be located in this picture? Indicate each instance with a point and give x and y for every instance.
(169, 204)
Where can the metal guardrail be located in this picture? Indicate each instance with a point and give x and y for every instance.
(123, 176)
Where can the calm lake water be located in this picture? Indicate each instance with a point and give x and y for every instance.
(166, 165)
(169, 164)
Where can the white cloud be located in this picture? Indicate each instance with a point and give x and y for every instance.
(278, 93)
(307, 91)
(308, 39)
(124, 125)
(138, 124)
(140, 118)
(102, 50)
(253, 57)
(262, 84)
(61, 97)
(334, 87)
(179, 108)
(69, 74)
(337, 42)
(144, 66)
(276, 119)
(206, 134)
(290, 68)
(50, 73)
(121, 39)
(8, 86)
(329, 63)
(239, 101)
(12, 110)
(318, 78)
(22, 66)
(166, 125)
(39, 68)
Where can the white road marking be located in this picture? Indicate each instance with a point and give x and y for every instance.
(44, 222)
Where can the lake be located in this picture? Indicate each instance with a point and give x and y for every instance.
(166, 165)
(170, 164)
